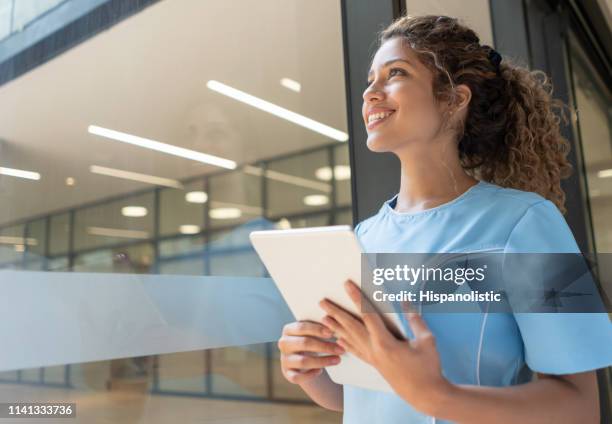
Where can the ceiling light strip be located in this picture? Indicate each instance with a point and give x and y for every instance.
(19, 173)
(289, 179)
(276, 110)
(117, 232)
(161, 147)
(135, 176)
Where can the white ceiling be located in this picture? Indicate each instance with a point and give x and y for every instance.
(147, 75)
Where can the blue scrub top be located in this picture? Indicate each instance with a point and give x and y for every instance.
(497, 349)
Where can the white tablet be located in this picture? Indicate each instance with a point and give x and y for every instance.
(309, 264)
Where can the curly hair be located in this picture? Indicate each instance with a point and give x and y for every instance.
(511, 134)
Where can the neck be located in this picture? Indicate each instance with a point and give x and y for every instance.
(431, 175)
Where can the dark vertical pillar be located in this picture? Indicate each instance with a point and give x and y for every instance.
(375, 176)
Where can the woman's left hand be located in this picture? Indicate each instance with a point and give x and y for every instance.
(411, 367)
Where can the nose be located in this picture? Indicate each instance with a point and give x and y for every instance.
(373, 93)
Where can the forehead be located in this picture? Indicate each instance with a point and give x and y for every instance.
(394, 48)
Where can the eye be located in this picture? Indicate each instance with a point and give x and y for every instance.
(392, 71)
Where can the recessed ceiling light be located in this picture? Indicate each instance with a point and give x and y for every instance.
(117, 232)
(70, 181)
(225, 213)
(20, 173)
(189, 229)
(196, 197)
(161, 147)
(276, 110)
(19, 248)
(135, 176)
(316, 200)
(134, 211)
(283, 224)
(291, 84)
(605, 173)
(342, 172)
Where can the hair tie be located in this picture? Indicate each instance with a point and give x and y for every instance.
(494, 57)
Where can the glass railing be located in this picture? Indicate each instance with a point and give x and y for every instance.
(15, 15)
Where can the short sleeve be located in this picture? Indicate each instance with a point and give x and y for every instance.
(557, 343)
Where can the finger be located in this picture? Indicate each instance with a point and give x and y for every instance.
(348, 321)
(307, 328)
(418, 325)
(292, 344)
(372, 319)
(307, 362)
(346, 345)
(296, 377)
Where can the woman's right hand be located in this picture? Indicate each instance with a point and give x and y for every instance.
(300, 345)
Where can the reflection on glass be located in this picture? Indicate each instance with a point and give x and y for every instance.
(594, 104)
(117, 222)
(288, 176)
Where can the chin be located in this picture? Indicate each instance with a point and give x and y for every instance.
(378, 144)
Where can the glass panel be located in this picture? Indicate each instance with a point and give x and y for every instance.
(116, 222)
(60, 234)
(594, 104)
(107, 203)
(182, 210)
(136, 258)
(299, 184)
(27, 11)
(235, 198)
(12, 245)
(5, 17)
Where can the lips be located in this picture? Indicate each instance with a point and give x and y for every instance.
(376, 122)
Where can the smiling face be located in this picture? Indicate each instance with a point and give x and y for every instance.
(399, 108)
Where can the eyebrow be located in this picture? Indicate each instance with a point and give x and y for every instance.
(389, 62)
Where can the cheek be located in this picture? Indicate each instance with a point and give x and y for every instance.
(418, 113)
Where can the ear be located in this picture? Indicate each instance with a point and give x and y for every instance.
(463, 97)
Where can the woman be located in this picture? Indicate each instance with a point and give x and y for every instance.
(481, 163)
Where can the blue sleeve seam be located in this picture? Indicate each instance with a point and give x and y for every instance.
(520, 220)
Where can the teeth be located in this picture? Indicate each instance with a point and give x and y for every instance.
(377, 116)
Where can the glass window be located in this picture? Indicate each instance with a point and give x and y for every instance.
(27, 11)
(156, 154)
(5, 17)
(593, 102)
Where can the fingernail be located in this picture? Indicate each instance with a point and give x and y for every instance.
(338, 349)
(327, 332)
(335, 360)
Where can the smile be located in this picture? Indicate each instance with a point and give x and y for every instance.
(377, 118)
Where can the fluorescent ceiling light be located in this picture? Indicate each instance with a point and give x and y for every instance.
(189, 229)
(291, 84)
(289, 179)
(134, 211)
(19, 248)
(196, 197)
(19, 173)
(276, 110)
(605, 173)
(342, 172)
(117, 232)
(225, 213)
(254, 210)
(135, 176)
(18, 240)
(316, 200)
(162, 147)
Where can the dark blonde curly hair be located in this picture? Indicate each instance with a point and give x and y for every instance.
(511, 135)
